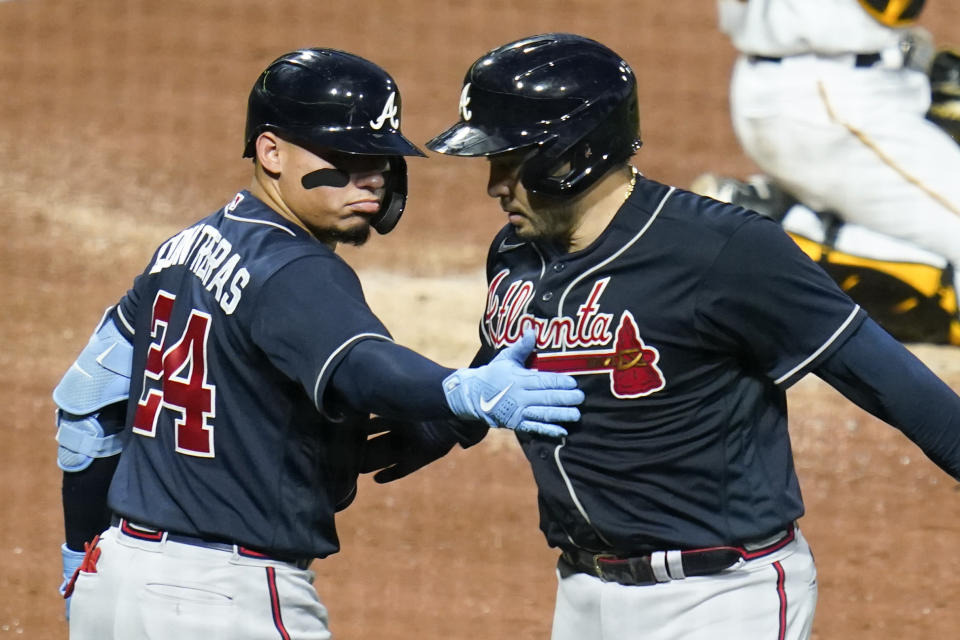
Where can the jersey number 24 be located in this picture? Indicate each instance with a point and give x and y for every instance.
(175, 378)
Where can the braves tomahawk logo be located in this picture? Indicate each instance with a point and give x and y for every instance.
(630, 363)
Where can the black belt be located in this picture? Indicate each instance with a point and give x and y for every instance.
(861, 60)
(142, 532)
(664, 566)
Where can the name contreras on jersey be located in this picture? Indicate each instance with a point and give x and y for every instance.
(209, 256)
(505, 320)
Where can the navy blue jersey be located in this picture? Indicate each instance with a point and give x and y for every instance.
(685, 322)
(237, 324)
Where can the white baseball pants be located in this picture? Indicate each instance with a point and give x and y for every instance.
(772, 597)
(168, 590)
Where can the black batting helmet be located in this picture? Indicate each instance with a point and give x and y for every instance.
(572, 98)
(328, 99)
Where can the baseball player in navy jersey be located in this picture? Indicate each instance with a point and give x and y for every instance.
(674, 500)
(240, 371)
(829, 98)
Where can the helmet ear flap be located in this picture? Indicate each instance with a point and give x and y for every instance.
(588, 157)
(576, 106)
(394, 199)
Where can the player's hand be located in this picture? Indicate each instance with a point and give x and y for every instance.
(403, 447)
(71, 563)
(505, 394)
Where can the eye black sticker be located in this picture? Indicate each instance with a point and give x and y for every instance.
(325, 178)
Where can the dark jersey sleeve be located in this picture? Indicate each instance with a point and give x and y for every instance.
(765, 300)
(882, 377)
(391, 380)
(124, 312)
(308, 315)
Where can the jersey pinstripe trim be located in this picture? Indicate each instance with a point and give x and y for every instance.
(823, 347)
(255, 221)
(616, 254)
(573, 492)
(543, 261)
(333, 356)
(124, 321)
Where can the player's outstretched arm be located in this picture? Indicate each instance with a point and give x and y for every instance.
(881, 376)
(505, 394)
(390, 380)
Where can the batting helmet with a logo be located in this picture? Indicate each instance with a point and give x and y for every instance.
(570, 97)
(326, 99)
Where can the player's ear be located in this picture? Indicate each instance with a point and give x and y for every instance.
(268, 152)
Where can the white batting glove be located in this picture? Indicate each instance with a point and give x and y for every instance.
(505, 394)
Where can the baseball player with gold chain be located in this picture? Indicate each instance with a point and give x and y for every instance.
(673, 502)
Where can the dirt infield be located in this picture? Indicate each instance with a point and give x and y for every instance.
(121, 122)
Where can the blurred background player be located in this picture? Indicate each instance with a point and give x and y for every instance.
(945, 91)
(829, 98)
(674, 501)
(238, 374)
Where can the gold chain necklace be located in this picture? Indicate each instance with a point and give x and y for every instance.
(633, 181)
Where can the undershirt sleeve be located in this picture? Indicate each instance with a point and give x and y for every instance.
(84, 493)
(881, 376)
(391, 380)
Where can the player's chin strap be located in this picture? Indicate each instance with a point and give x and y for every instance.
(99, 377)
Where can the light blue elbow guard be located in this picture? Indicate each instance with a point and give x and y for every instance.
(99, 377)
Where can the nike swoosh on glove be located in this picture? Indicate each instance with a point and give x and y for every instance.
(505, 394)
